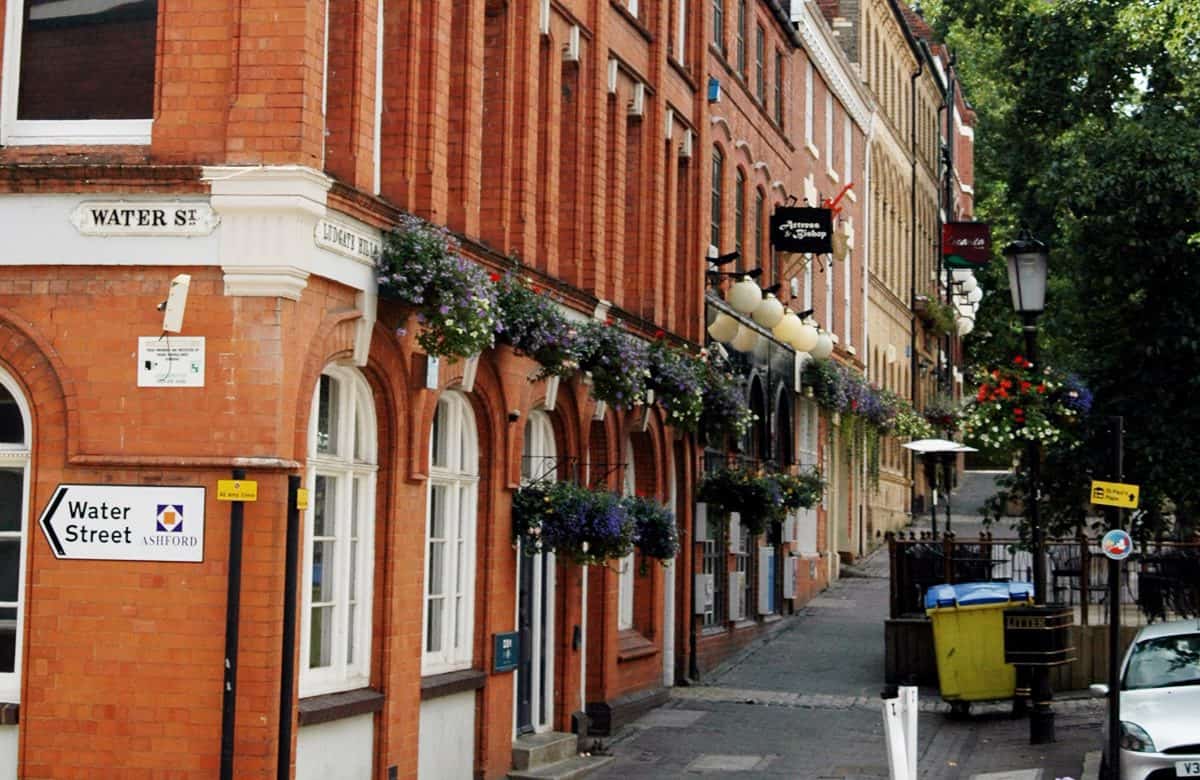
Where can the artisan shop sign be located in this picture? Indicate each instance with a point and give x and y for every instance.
(144, 218)
(125, 523)
(802, 229)
(347, 241)
(966, 244)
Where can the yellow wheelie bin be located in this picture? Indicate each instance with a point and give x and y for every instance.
(968, 639)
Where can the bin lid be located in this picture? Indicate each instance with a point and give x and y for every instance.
(970, 593)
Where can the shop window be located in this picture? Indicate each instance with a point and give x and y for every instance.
(14, 508)
(339, 531)
(80, 72)
(450, 528)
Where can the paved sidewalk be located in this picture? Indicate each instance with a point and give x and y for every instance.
(805, 703)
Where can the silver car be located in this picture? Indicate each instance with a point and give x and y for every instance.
(1160, 703)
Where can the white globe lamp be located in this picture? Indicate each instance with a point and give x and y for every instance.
(769, 312)
(745, 296)
(723, 328)
(745, 340)
(806, 339)
(824, 346)
(787, 328)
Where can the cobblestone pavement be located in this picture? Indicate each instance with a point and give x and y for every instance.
(805, 704)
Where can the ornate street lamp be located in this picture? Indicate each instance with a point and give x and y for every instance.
(1027, 263)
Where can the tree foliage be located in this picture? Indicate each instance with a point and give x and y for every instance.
(1088, 134)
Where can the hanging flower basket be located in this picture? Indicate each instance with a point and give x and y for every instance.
(529, 321)
(654, 528)
(1022, 402)
(677, 381)
(725, 408)
(758, 500)
(581, 525)
(800, 491)
(455, 299)
(618, 363)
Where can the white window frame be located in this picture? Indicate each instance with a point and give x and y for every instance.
(345, 467)
(847, 151)
(14, 456)
(829, 163)
(681, 33)
(847, 298)
(626, 582)
(459, 476)
(808, 108)
(50, 132)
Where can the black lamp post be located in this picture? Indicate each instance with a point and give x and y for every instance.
(1027, 264)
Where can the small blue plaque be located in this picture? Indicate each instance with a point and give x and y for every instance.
(506, 651)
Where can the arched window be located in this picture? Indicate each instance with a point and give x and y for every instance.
(626, 582)
(538, 461)
(739, 218)
(339, 535)
(450, 537)
(15, 437)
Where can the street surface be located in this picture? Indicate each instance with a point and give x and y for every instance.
(805, 703)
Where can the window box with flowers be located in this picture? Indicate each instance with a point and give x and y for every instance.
(529, 320)
(617, 363)
(678, 382)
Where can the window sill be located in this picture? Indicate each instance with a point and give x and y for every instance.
(435, 686)
(774, 617)
(644, 31)
(631, 645)
(738, 625)
(336, 706)
(683, 72)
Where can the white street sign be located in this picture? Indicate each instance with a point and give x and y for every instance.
(126, 523)
(170, 361)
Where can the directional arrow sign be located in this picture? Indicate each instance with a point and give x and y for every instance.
(1115, 494)
(125, 523)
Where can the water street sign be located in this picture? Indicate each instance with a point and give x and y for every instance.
(125, 523)
(1117, 544)
(237, 490)
(1115, 494)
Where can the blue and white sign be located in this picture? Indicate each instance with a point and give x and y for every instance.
(126, 523)
(1117, 544)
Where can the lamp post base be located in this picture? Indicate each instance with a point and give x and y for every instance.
(1041, 717)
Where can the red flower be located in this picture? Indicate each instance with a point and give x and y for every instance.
(495, 277)
(660, 334)
(1007, 383)
(982, 394)
(1041, 388)
(1019, 412)
(853, 403)
(1018, 361)
(1025, 385)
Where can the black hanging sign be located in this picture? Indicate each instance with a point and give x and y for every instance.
(802, 229)
(966, 244)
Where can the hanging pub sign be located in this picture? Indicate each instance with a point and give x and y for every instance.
(802, 229)
(966, 244)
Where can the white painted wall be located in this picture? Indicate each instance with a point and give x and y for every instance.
(446, 749)
(8, 752)
(338, 750)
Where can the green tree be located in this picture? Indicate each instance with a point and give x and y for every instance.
(1089, 135)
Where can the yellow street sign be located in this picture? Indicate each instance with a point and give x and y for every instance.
(1115, 494)
(302, 498)
(237, 490)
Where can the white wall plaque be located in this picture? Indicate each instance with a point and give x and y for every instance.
(144, 218)
(347, 241)
(125, 523)
(170, 361)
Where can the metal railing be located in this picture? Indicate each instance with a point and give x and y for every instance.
(1159, 581)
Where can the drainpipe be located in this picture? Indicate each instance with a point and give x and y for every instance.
(287, 674)
(912, 270)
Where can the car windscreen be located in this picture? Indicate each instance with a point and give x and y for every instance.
(1164, 661)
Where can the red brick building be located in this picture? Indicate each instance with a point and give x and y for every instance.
(258, 152)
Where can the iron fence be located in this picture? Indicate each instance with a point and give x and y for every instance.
(1159, 581)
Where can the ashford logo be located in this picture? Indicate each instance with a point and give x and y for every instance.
(126, 523)
(169, 519)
